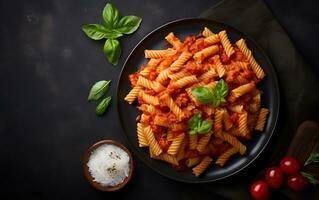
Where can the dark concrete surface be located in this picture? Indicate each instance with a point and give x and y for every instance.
(47, 66)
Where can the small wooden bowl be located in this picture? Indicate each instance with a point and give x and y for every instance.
(88, 176)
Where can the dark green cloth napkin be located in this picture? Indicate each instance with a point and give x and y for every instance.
(299, 87)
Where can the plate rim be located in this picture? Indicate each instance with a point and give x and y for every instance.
(276, 92)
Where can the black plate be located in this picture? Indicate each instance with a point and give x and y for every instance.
(128, 113)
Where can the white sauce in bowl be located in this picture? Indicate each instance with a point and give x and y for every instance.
(109, 165)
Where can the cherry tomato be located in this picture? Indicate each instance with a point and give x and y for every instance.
(274, 177)
(297, 182)
(289, 165)
(260, 190)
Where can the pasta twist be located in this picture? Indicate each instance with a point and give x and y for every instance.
(222, 159)
(261, 119)
(142, 140)
(148, 98)
(234, 142)
(254, 65)
(163, 76)
(193, 141)
(243, 89)
(180, 61)
(176, 144)
(172, 106)
(161, 121)
(154, 146)
(209, 74)
(179, 75)
(226, 43)
(201, 167)
(190, 162)
(206, 32)
(213, 39)
(133, 94)
(201, 55)
(227, 124)
(218, 121)
(188, 80)
(242, 121)
(174, 41)
(167, 158)
(158, 53)
(203, 141)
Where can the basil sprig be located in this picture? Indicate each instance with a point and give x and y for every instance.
(313, 158)
(100, 109)
(311, 178)
(197, 125)
(214, 96)
(114, 27)
(97, 91)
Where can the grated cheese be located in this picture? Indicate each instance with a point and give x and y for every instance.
(109, 165)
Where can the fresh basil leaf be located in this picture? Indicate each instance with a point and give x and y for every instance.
(100, 109)
(112, 50)
(205, 127)
(222, 88)
(98, 90)
(313, 158)
(128, 24)
(203, 94)
(98, 32)
(311, 178)
(111, 15)
(193, 122)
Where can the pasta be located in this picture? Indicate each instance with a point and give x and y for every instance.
(180, 61)
(158, 53)
(254, 65)
(190, 162)
(201, 55)
(229, 50)
(206, 32)
(154, 146)
(142, 140)
(176, 144)
(132, 95)
(261, 119)
(222, 159)
(199, 100)
(200, 168)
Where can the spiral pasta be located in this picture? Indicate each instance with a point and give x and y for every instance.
(229, 50)
(261, 119)
(254, 65)
(180, 61)
(133, 94)
(234, 142)
(207, 32)
(200, 168)
(142, 140)
(190, 162)
(157, 53)
(148, 98)
(193, 141)
(201, 55)
(212, 39)
(203, 141)
(176, 144)
(154, 146)
(222, 159)
(188, 80)
(199, 100)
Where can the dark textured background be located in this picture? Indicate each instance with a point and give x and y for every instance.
(47, 67)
